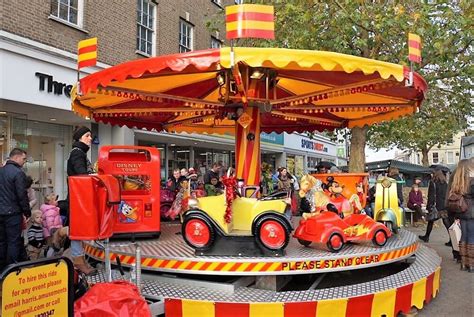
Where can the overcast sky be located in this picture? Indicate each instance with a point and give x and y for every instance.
(380, 155)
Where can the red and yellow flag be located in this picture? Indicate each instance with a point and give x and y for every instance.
(414, 48)
(87, 53)
(249, 21)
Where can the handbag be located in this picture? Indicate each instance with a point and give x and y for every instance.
(455, 234)
(456, 203)
(433, 214)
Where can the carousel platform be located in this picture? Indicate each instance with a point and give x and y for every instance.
(412, 286)
(171, 254)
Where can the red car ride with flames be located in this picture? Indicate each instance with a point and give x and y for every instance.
(334, 230)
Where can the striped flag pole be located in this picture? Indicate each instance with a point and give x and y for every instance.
(86, 57)
(414, 53)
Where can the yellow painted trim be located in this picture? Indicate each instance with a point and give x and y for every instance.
(266, 309)
(192, 308)
(333, 308)
(418, 293)
(309, 60)
(436, 281)
(384, 303)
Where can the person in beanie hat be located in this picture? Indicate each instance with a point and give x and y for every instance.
(79, 164)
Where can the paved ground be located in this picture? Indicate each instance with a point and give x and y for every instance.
(456, 296)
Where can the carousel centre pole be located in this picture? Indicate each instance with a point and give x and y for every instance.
(247, 146)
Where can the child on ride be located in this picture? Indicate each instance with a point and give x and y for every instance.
(36, 242)
(53, 230)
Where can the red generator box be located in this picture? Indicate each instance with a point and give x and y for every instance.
(137, 169)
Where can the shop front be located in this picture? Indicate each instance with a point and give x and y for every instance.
(35, 110)
(182, 150)
(302, 153)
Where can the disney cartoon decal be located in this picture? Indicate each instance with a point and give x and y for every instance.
(127, 213)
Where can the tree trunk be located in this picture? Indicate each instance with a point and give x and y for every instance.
(357, 152)
(424, 157)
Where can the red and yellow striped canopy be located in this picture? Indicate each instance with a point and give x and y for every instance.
(296, 91)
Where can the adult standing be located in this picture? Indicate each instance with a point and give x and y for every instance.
(437, 190)
(394, 173)
(14, 204)
(463, 184)
(79, 164)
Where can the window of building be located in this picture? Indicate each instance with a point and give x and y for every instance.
(69, 11)
(215, 43)
(145, 26)
(185, 36)
(435, 158)
(450, 157)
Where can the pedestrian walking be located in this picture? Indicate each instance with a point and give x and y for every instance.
(463, 184)
(79, 164)
(436, 204)
(14, 204)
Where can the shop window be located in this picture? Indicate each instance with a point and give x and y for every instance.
(69, 11)
(215, 43)
(435, 158)
(185, 36)
(145, 27)
(449, 157)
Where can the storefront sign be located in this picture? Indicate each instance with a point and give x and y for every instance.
(42, 290)
(312, 145)
(317, 145)
(273, 138)
(47, 82)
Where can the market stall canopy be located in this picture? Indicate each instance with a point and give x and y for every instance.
(296, 91)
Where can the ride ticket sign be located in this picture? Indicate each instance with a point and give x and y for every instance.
(39, 291)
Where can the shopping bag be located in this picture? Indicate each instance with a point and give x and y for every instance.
(455, 235)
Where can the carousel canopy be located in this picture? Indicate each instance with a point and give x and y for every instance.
(296, 91)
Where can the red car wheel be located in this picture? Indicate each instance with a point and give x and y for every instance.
(198, 233)
(335, 242)
(380, 238)
(273, 234)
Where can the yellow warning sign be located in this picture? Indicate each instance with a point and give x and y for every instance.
(40, 291)
(245, 120)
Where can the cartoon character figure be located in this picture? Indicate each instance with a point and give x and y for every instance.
(127, 213)
(357, 200)
(337, 198)
(311, 197)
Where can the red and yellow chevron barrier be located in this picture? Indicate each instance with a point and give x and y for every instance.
(278, 265)
(389, 303)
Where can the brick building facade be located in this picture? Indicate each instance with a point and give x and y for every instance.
(114, 23)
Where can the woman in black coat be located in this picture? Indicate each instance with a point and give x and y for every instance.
(79, 164)
(437, 190)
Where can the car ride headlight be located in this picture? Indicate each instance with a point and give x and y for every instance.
(193, 203)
